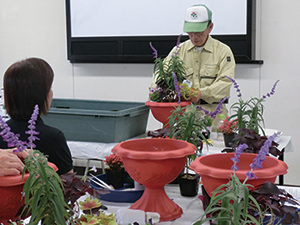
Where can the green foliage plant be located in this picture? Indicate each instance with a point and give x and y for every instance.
(187, 125)
(232, 203)
(164, 70)
(49, 198)
(249, 113)
(234, 206)
(43, 190)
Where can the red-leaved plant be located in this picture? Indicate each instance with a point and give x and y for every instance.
(228, 126)
(114, 162)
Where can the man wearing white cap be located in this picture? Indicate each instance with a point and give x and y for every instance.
(206, 60)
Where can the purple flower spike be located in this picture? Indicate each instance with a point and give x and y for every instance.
(236, 86)
(177, 87)
(261, 156)
(204, 110)
(155, 53)
(32, 133)
(13, 139)
(272, 92)
(178, 41)
(217, 110)
(239, 150)
(219, 107)
(250, 175)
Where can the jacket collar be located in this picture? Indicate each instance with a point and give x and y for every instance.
(208, 46)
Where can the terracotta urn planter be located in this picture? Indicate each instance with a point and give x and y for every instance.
(162, 110)
(155, 162)
(215, 169)
(11, 188)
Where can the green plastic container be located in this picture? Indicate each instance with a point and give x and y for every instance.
(98, 121)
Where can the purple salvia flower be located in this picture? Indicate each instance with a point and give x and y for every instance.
(236, 86)
(178, 41)
(239, 150)
(177, 87)
(32, 133)
(155, 53)
(217, 110)
(152, 90)
(204, 110)
(261, 156)
(11, 138)
(272, 92)
(251, 175)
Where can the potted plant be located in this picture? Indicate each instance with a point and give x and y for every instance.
(115, 172)
(249, 116)
(228, 127)
(187, 126)
(254, 142)
(43, 191)
(249, 113)
(231, 202)
(164, 97)
(89, 211)
(190, 126)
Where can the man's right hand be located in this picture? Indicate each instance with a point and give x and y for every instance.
(195, 98)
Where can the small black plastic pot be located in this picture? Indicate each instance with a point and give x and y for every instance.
(115, 177)
(228, 139)
(189, 185)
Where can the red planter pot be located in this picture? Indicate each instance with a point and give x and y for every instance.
(162, 110)
(155, 162)
(215, 169)
(11, 188)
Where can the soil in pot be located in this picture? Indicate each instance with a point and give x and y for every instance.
(115, 177)
(189, 185)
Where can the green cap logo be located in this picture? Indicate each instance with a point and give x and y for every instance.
(194, 15)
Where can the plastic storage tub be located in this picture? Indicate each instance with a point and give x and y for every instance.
(97, 121)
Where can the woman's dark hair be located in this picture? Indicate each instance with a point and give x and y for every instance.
(26, 84)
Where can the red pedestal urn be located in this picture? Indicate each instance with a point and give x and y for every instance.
(11, 188)
(155, 162)
(215, 169)
(162, 110)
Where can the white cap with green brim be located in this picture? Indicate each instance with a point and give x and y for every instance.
(196, 18)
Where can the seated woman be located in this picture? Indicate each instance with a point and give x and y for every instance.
(28, 83)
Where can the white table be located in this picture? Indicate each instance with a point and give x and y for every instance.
(191, 206)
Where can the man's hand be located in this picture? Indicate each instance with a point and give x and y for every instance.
(196, 97)
(11, 163)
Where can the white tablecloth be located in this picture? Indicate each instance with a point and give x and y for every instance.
(95, 150)
(191, 206)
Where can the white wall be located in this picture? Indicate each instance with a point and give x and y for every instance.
(37, 28)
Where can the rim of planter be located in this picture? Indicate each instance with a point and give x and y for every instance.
(15, 180)
(154, 148)
(167, 104)
(203, 166)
